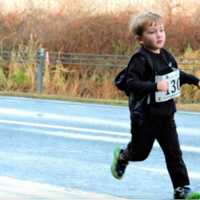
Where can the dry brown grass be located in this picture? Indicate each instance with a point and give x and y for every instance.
(84, 31)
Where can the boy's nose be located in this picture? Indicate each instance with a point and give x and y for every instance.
(159, 34)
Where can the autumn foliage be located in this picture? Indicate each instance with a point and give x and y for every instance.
(88, 32)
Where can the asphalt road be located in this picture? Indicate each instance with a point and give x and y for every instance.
(68, 146)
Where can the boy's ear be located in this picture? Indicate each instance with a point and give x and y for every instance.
(139, 39)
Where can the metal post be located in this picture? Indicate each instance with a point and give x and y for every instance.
(40, 69)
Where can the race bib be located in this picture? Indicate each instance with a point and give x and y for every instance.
(173, 79)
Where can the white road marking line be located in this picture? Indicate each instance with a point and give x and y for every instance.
(185, 148)
(15, 189)
(191, 131)
(40, 125)
(118, 139)
(192, 174)
(75, 135)
(43, 115)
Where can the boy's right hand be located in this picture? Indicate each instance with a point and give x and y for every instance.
(162, 86)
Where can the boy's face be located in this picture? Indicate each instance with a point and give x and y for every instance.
(153, 37)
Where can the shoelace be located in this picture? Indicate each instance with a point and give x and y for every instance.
(180, 191)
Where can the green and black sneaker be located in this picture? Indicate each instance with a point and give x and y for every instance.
(182, 192)
(118, 165)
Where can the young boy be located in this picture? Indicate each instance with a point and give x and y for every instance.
(154, 80)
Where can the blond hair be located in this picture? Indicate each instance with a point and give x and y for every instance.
(140, 22)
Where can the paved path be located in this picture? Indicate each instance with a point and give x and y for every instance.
(63, 150)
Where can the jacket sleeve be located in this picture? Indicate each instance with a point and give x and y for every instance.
(184, 77)
(188, 78)
(138, 81)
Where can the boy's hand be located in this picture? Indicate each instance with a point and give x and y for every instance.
(163, 86)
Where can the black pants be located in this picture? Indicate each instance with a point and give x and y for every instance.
(163, 129)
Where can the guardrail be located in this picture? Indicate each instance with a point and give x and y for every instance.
(42, 57)
(81, 59)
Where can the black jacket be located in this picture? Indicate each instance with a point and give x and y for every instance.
(141, 81)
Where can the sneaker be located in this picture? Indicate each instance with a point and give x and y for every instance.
(118, 165)
(182, 192)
